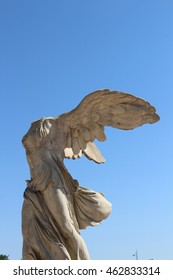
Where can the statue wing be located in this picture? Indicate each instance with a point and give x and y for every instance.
(102, 108)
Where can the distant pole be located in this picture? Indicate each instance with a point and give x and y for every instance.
(136, 255)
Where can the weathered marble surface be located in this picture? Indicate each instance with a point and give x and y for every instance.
(55, 207)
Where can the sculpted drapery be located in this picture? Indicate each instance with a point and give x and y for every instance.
(55, 206)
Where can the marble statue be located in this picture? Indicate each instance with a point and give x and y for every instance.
(55, 206)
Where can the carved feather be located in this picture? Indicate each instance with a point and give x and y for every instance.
(68, 152)
(82, 142)
(93, 153)
(98, 131)
(75, 146)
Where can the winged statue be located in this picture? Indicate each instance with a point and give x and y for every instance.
(55, 206)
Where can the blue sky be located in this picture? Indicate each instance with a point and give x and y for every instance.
(53, 53)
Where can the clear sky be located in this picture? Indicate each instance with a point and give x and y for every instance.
(53, 53)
